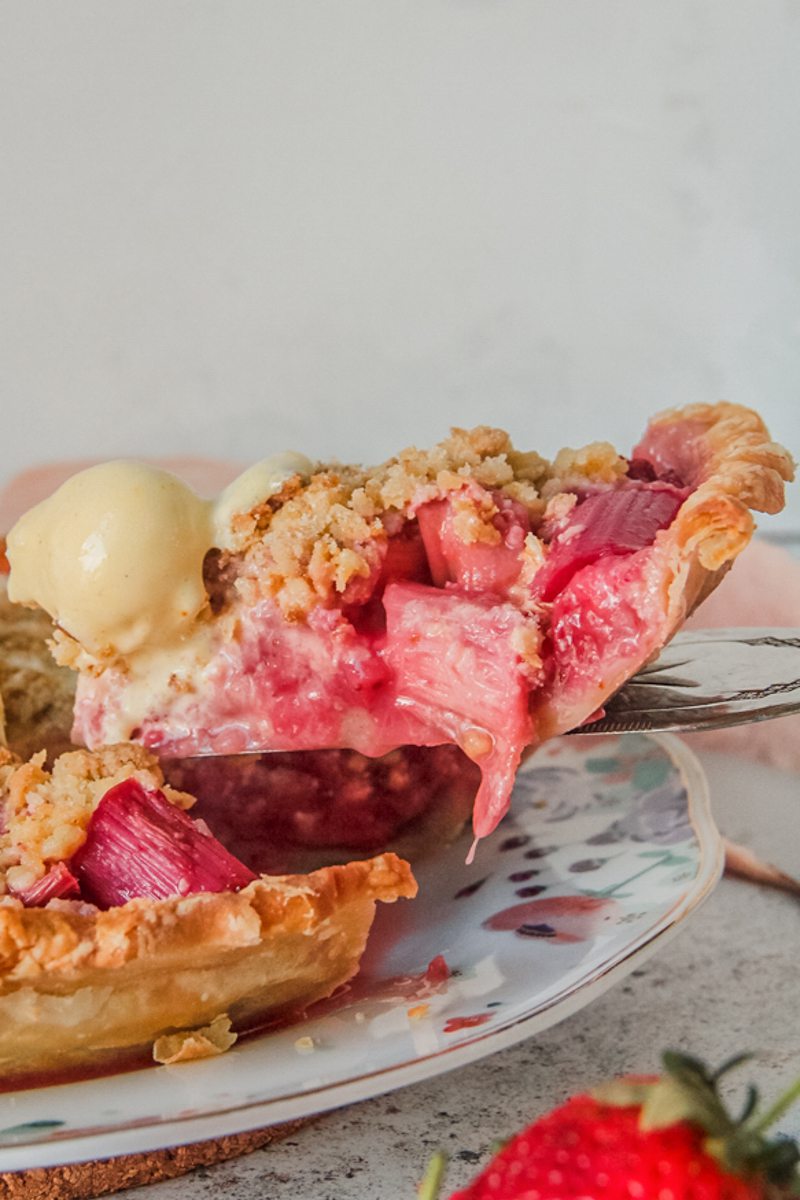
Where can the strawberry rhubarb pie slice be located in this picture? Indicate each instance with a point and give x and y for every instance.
(472, 595)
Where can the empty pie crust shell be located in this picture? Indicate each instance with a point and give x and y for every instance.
(81, 989)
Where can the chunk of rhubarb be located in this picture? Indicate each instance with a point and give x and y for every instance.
(138, 844)
(58, 884)
(607, 523)
(474, 566)
(458, 672)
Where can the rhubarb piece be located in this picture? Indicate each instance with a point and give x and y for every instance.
(742, 863)
(606, 524)
(44, 815)
(479, 556)
(460, 677)
(58, 884)
(138, 844)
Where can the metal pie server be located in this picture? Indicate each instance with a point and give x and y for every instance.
(709, 679)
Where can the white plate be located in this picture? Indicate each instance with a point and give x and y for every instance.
(609, 845)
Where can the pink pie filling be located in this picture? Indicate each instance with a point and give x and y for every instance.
(437, 648)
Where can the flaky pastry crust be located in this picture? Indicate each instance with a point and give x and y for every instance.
(724, 453)
(80, 987)
(737, 468)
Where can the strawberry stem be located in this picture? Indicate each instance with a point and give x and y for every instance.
(433, 1178)
(781, 1105)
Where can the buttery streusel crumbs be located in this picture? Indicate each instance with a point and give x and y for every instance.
(45, 814)
(319, 537)
(325, 535)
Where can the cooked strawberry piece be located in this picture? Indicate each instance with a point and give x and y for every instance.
(138, 844)
(608, 523)
(479, 566)
(458, 672)
(58, 884)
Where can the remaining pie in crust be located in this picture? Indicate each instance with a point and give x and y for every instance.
(124, 922)
(472, 594)
(36, 695)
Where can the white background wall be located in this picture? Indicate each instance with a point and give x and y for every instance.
(342, 225)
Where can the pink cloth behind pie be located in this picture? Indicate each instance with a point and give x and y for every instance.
(763, 589)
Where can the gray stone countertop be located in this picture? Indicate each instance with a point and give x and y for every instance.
(727, 982)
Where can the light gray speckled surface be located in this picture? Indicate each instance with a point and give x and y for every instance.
(728, 981)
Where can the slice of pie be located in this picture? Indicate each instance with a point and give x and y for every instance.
(472, 595)
(125, 923)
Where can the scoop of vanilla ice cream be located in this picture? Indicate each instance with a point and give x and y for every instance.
(115, 556)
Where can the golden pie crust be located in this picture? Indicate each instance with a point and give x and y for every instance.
(742, 470)
(735, 468)
(80, 987)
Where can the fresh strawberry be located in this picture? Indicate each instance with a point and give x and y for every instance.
(668, 1137)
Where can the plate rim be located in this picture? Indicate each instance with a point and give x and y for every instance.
(142, 1135)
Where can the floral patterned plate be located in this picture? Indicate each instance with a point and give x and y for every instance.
(608, 847)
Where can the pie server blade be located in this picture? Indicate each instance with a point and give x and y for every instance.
(709, 679)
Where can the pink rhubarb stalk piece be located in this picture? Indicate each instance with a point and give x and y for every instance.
(474, 567)
(458, 674)
(608, 523)
(138, 844)
(58, 884)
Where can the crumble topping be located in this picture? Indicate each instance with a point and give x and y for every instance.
(317, 533)
(44, 814)
(472, 518)
(597, 463)
(317, 538)
(189, 1044)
